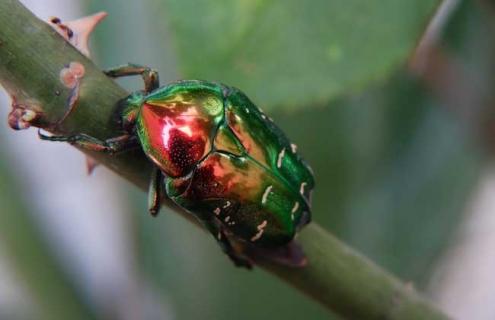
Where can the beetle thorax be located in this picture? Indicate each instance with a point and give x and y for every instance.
(175, 136)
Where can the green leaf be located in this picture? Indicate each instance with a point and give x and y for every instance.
(292, 53)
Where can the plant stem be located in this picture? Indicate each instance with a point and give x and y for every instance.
(31, 58)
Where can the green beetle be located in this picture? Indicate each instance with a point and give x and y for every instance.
(216, 155)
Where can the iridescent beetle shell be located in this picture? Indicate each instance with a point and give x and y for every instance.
(220, 158)
(224, 158)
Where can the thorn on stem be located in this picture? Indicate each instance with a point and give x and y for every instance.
(77, 32)
(91, 164)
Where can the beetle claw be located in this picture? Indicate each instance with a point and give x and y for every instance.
(290, 255)
(241, 262)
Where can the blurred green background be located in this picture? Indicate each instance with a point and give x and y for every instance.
(397, 146)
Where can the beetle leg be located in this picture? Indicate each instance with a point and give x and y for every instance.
(226, 245)
(150, 76)
(113, 145)
(155, 191)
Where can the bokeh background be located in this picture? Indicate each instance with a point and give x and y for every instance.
(391, 101)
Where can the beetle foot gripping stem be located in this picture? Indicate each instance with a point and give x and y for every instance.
(237, 254)
(150, 76)
(112, 146)
(234, 250)
(290, 255)
(155, 191)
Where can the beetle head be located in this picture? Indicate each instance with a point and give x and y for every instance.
(128, 110)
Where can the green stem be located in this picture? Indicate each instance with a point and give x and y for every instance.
(31, 57)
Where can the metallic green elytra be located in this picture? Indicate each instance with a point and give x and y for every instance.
(219, 157)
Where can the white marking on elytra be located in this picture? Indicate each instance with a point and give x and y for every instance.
(294, 209)
(296, 206)
(227, 204)
(310, 170)
(280, 158)
(247, 110)
(265, 194)
(293, 147)
(263, 116)
(303, 185)
(217, 211)
(261, 229)
(227, 218)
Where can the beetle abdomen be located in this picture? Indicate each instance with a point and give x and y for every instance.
(248, 200)
(267, 144)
